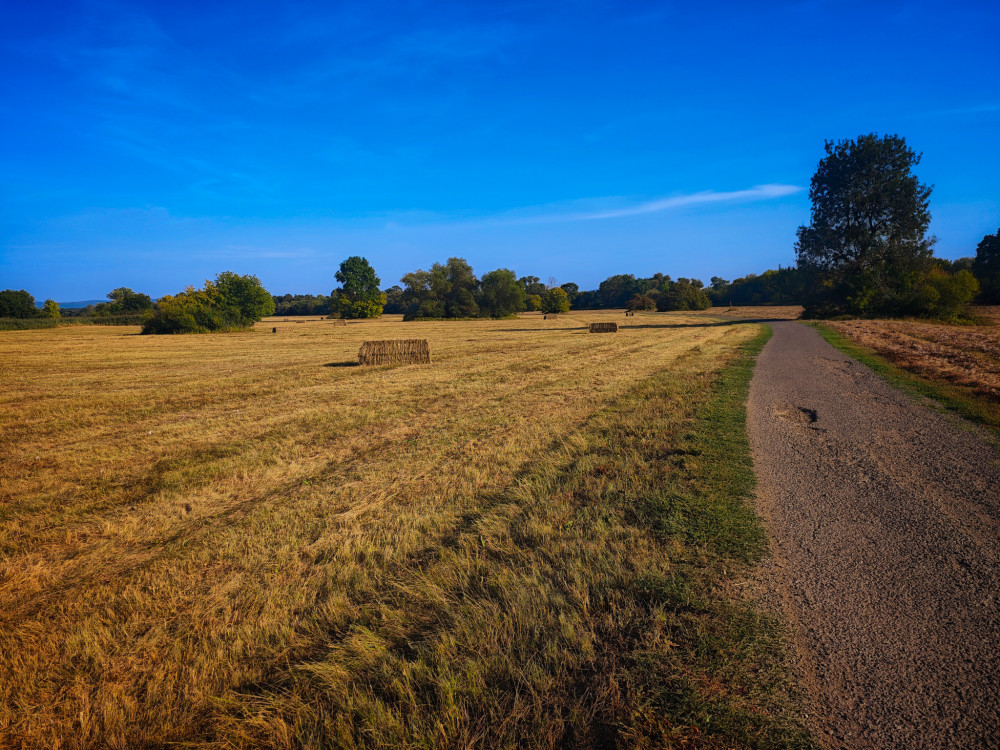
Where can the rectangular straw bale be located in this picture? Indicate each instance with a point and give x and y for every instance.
(604, 328)
(395, 352)
(338, 321)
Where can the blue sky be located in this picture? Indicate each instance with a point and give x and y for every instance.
(155, 144)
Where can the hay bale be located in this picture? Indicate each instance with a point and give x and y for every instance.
(339, 322)
(395, 352)
(604, 328)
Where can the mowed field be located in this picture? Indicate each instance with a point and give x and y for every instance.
(958, 365)
(245, 540)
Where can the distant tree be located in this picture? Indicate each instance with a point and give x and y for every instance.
(987, 267)
(462, 287)
(51, 309)
(533, 302)
(532, 285)
(190, 311)
(394, 301)
(124, 301)
(445, 291)
(231, 302)
(653, 283)
(571, 290)
(615, 291)
(684, 294)
(555, 301)
(865, 251)
(17, 304)
(359, 295)
(301, 304)
(781, 287)
(501, 294)
(243, 300)
(641, 302)
(587, 300)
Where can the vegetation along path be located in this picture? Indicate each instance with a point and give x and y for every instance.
(885, 519)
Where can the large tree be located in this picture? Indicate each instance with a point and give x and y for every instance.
(501, 294)
(359, 295)
(462, 287)
(615, 291)
(242, 299)
(123, 301)
(987, 267)
(555, 301)
(17, 303)
(866, 250)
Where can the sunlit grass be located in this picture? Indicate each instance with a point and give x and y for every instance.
(245, 540)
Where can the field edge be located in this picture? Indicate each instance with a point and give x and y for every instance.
(959, 400)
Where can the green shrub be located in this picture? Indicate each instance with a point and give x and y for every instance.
(555, 301)
(360, 308)
(230, 303)
(945, 295)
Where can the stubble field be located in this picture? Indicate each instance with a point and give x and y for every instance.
(956, 365)
(246, 540)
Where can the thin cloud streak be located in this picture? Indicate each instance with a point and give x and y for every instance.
(756, 193)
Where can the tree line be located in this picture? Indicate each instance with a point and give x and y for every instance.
(865, 253)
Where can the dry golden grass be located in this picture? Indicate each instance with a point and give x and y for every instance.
(990, 312)
(245, 540)
(967, 356)
(759, 312)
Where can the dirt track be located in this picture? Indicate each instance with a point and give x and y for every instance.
(884, 517)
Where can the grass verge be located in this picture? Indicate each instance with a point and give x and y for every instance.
(951, 397)
(590, 604)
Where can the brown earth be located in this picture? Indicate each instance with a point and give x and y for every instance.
(884, 516)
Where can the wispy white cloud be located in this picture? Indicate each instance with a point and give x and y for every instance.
(595, 211)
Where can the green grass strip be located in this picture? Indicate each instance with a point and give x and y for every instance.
(949, 397)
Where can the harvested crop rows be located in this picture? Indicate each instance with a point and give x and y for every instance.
(964, 355)
(247, 540)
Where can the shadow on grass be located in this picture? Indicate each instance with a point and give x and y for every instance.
(348, 363)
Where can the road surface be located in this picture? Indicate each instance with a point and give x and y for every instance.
(884, 516)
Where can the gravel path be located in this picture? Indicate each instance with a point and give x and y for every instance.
(884, 517)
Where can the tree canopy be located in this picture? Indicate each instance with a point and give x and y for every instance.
(987, 267)
(17, 303)
(359, 295)
(555, 300)
(230, 303)
(501, 294)
(866, 250)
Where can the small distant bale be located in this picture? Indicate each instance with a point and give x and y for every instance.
(604, 328)
(274, 330)
(395, 352)
(339, 322)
